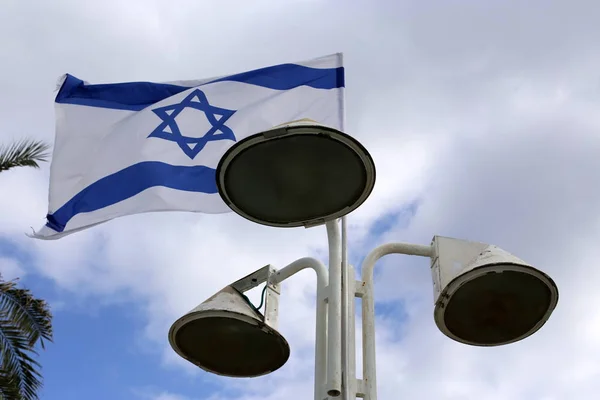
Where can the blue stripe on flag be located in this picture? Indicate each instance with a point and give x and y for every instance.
(136, 96)
(129, 182)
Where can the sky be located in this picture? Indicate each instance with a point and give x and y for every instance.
(481, 117)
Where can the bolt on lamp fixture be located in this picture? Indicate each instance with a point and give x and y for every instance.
(298, 174)
(227, 336)
(485, 296)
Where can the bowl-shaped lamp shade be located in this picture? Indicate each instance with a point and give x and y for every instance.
(227, 337)
(496, 304)
(297, 175)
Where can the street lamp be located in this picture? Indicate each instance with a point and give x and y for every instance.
(471, 282)
(228, 336)
(302, 173)
(485, 296)
(306, 174)
(298, 174)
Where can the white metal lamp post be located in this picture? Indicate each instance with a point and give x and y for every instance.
(305, 174)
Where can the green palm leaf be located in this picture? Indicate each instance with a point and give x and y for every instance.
(9, 388)
(24, 153)
(24, 321)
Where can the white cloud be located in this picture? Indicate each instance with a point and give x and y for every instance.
(10, 269)
(170, 396)
(484, 113)
(151, 394)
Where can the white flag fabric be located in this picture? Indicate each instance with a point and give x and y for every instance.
(130, 148)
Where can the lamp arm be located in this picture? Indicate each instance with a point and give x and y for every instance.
(321, 317)
(368, 307)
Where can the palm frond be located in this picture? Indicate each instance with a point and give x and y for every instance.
(18, 366)
(9, 386)
(24, 321)
(32, 316)
(23, 153)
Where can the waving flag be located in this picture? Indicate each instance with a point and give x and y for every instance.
(129, 148)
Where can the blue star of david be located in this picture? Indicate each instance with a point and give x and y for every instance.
(216, 116)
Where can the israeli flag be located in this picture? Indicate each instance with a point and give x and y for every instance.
(130, 148)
